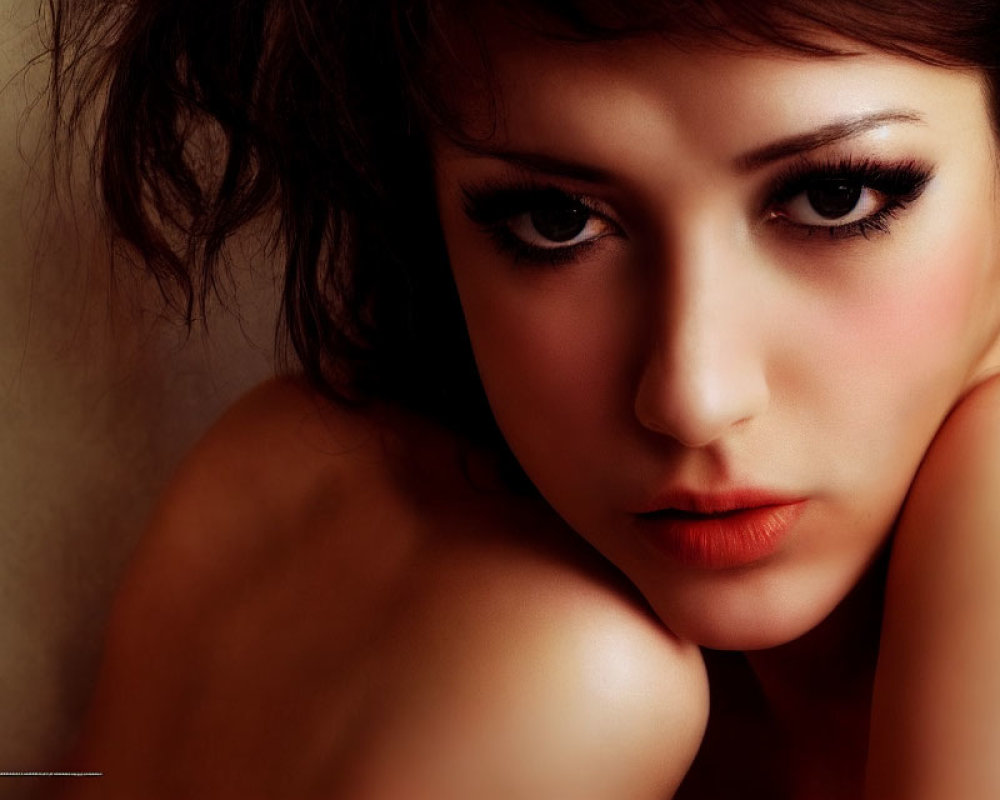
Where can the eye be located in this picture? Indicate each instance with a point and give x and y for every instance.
(830, 202)
(537, 224)
(558, 223)
(846, 198)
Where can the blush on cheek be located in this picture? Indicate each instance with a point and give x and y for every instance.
(883, 355)
(916, 319)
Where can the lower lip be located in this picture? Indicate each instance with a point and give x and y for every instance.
(721, 541)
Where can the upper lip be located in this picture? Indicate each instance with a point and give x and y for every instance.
(716, 502)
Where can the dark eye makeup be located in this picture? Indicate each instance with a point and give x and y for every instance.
(833, 190)
(555, 215)
(824, 192)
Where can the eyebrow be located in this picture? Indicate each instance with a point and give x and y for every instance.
(537, 162)
(755, 159)
(821, 137)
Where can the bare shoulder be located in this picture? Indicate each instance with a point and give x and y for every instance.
(529, 672)
(949, 523)
(955, 486)
(214, 575)
(282, 467)
(967, 442)
(273, 452)
(325, 600)
(937, 694)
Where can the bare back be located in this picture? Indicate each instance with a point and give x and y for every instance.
(335, 604)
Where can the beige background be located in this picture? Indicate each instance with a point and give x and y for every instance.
(100, 394)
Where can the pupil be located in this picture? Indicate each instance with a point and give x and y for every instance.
(834, 198)
(560, 223)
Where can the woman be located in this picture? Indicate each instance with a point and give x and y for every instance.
(729, 280)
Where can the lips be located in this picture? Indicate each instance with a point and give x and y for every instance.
(720, 530)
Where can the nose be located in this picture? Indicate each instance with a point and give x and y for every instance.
(704, 371)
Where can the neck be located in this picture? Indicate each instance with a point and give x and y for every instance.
(819, 688)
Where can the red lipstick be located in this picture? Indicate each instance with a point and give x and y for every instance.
(720, 530)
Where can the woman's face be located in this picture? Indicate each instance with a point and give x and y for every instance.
(721, 302)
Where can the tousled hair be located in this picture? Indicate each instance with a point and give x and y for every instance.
(214, 115)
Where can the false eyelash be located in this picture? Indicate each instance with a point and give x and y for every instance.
(901, 183)
(492, 204)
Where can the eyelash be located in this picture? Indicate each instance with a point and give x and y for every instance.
(493, 205)
(900, 183)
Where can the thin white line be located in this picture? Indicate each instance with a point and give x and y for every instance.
(51, 774)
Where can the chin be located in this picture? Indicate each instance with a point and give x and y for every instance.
(760, 635)
(754, 634)
(734, 613)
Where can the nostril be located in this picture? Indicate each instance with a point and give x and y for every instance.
(697, 402)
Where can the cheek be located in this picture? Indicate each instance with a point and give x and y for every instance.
(918, 317)
(552, 353)
(890, 352)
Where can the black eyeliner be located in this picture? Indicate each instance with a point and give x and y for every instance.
(901, 182)
(492, 204)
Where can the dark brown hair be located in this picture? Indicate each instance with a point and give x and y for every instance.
(213, 114)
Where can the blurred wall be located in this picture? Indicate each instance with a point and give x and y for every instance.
(100, 394)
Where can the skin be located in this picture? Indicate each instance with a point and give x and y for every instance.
(701, 343)
(934, 731)
(324, 606)
(414, 633)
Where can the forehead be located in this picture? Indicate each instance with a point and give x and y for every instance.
(528, 89)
